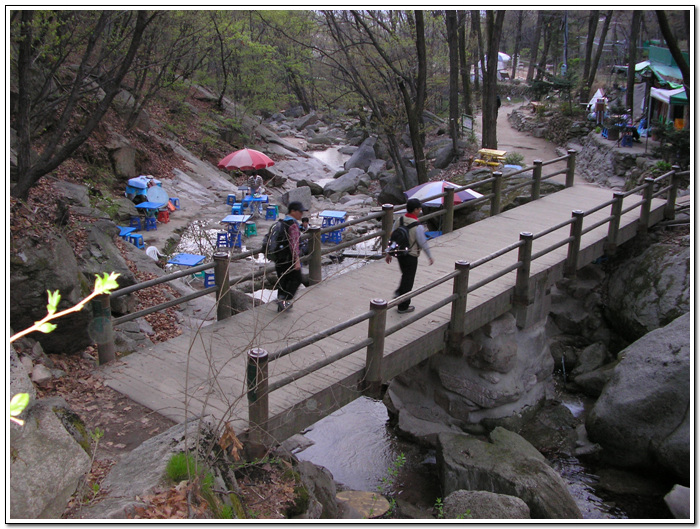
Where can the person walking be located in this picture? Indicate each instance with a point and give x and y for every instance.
(288, 268)
(408, 263)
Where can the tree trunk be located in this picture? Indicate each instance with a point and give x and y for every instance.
(494, 25)
(452, 38)
(548, 33)
(632, 57)
(479, 45)
(518, 38)
(535, 47)
(464, 68)
(674, 49)
(592, 27)
(599, 51)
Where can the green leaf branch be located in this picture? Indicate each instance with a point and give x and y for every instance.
(103, 285)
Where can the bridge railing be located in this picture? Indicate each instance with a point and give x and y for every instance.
(259, 386)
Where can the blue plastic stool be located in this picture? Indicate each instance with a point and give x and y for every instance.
(136, 239)
(626, 140)
(271, 213)
(237, 241)
(135, 222)
(604, 134)
(237, 209)
(209, 279)
(250, 229)
(175, 202)
(151, 224)
(230, 199)
(222, 240)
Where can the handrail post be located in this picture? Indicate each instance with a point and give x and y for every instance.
(448, 223)
(616, 213)
(670, 207)
(571, 167)
(496, 190)
(459, 308)
(646, 205)
(315, 268)
(387, 223)
(101, 329)
(375, 350)
(575, 244)
(521, 295)
(536, 179)
(223, 291)
(258, 400)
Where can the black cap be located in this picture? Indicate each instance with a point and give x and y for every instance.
(296, 206)
(413, 204)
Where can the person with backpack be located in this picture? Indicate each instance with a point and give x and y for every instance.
(288, 264)
(408, 250)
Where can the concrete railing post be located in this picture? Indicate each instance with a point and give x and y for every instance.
(459, 308)
(646, 206)
(258, 400)
(670, 207)
(536, 179)
(448, 224)
(522, 278)
(387, 223)
(614, 228)
(101, 329)
(315, 268)
(223, 290)
(496, 190)
(571, 167)
(375, 351)
(575, 244)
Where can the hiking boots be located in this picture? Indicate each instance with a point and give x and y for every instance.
(408, 309)
(283, 305)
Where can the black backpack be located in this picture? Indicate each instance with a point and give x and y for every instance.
(275, 244)
(399, 241)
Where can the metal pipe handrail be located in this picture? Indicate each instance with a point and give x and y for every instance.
(556, 227)
(494, 276)
(496, 254)
(419, 315)
(165, 305)
(320, 335)
(597, 224)
(277, 384)
(422, 289)
(551, 248)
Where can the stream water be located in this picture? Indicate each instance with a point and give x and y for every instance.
(359, 447)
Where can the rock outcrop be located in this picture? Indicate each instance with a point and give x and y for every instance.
(507, 464)
(483, 505)
(642, 418)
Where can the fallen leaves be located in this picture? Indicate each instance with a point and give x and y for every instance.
(229, 440)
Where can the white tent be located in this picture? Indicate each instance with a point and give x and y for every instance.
(598, 95)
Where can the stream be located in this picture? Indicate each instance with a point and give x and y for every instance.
(359, 447)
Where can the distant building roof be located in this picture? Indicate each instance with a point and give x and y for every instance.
(661, 63)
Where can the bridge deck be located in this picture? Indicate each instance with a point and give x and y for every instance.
(204, 373)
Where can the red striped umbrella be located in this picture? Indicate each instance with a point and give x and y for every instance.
(245, 159)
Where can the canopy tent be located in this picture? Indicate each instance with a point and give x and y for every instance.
(674, 106)
(598, 95)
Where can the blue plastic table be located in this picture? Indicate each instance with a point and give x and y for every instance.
(187, 259)
(332, 218)
(236, 219)
(125, 231)
(148, 206)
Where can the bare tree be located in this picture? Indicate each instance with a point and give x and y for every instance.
(535, 47)
(105, 55)
(494, 26)
(590, 41)
(598, 53)
(632, 56)
(674, 49)
(518, 38)
(452, 42)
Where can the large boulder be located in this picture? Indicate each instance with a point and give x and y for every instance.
(650, 290)
(364, 156)
(46, 464)
(483, 505)
(304, 121)
(642, 416)
(297, 194)
(346, 183)
(506, 464)
(316, 189)
(392, 190)
(46, 264)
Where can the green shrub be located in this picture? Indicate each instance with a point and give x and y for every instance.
(514, 158)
